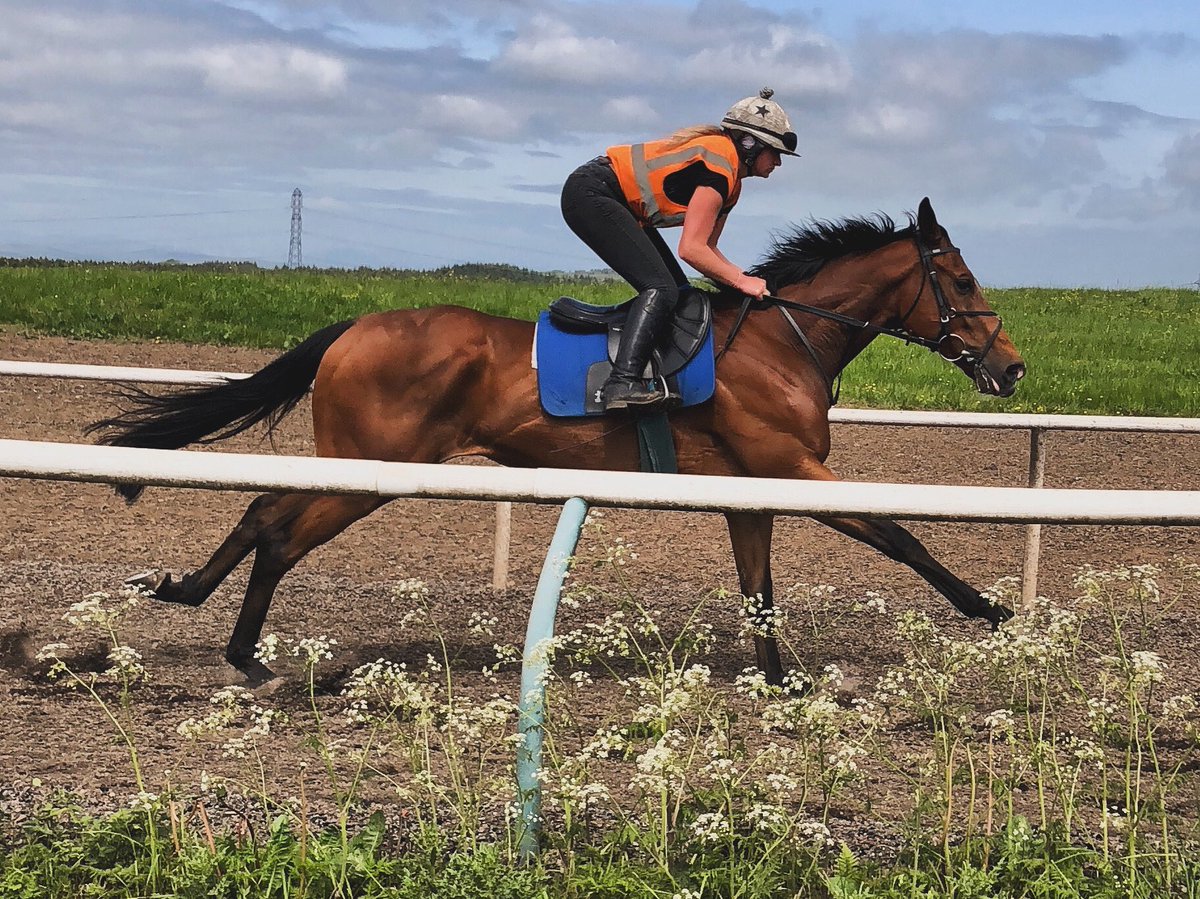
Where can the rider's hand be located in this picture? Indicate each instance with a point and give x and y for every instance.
(751, 286)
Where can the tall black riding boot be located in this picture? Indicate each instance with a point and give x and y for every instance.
(626, 386)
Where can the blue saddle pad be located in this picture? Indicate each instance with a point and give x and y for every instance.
(571, 368)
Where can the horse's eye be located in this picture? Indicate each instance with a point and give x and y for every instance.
(964, 285)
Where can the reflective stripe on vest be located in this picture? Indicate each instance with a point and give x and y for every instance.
(641, 169)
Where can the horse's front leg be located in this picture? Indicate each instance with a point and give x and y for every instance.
(897, 543)
(750, 534)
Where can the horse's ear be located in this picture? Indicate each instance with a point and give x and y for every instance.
(927, 224)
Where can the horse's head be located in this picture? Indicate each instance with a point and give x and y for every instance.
(950, 314)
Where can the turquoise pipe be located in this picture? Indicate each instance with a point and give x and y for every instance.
(533, 671)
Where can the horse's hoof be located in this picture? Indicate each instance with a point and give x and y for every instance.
(999, 615)
(256, 674)
(268, 687)
(148, 581)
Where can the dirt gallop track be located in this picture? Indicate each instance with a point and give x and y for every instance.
(60, 541)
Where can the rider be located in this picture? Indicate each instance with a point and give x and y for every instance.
(616, 203)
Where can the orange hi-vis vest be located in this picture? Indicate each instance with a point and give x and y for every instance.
(641, 170)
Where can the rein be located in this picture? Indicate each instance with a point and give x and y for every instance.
(946, 314)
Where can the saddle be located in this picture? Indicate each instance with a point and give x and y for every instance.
(678, 345)
(575, 343)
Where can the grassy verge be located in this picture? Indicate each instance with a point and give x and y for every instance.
(1089, 351)
(1052, 759)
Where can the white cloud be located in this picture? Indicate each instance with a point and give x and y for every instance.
(628, 112)
(795, 61)
(552, 50)
(470, 116)
(270, 71)
(1182, 165)
(892, 122)
(42, 114)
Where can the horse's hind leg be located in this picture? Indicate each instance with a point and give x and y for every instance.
(897, 543)
(750, 535)
(194, 588)
(298, 524)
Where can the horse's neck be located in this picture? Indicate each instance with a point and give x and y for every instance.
(836, 345)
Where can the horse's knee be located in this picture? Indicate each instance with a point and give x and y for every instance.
(275, 554)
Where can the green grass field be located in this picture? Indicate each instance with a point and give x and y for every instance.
(1088, 351)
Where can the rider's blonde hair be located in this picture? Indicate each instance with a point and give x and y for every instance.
(683, 135)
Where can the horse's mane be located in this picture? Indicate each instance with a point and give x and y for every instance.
(800, 253)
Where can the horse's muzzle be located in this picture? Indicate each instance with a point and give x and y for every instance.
(998, 383)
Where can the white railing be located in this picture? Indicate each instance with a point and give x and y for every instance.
(1037, 425)
(115, 373)
(934, 502)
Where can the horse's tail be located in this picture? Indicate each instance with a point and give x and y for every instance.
(208, 414)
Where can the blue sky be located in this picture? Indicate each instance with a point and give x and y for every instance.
(1059, 142)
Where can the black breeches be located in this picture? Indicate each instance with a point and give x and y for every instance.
(594, 209)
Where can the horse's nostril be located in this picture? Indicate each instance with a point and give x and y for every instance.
(1015, 372)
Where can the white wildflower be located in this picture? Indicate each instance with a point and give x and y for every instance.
(1115, 820)
(1146, 667)
(482, 625)
(1000, 721)
(1181, 706)
(767, 817)
(753, 683)
(313, 649)
(1086, 752)
(874, 602)
(1099, 710)
(711, 827)
(52, 652)
(844, 760)
(143, 801)
(780, 783)
(411, 590)
(126, 663)
(813, 833)
(267, 649)
(833, 676)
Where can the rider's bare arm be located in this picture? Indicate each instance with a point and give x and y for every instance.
(702, 225)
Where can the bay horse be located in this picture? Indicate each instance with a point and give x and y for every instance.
(428, 385)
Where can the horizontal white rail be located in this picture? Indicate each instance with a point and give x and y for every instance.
(905, 417)
(236, 471)
(114, 373)
(848, 416)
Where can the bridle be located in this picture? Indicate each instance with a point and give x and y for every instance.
(947, 313)
(942, 344)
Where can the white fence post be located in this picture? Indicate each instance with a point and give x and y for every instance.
(1033, 532)
(503, 538)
